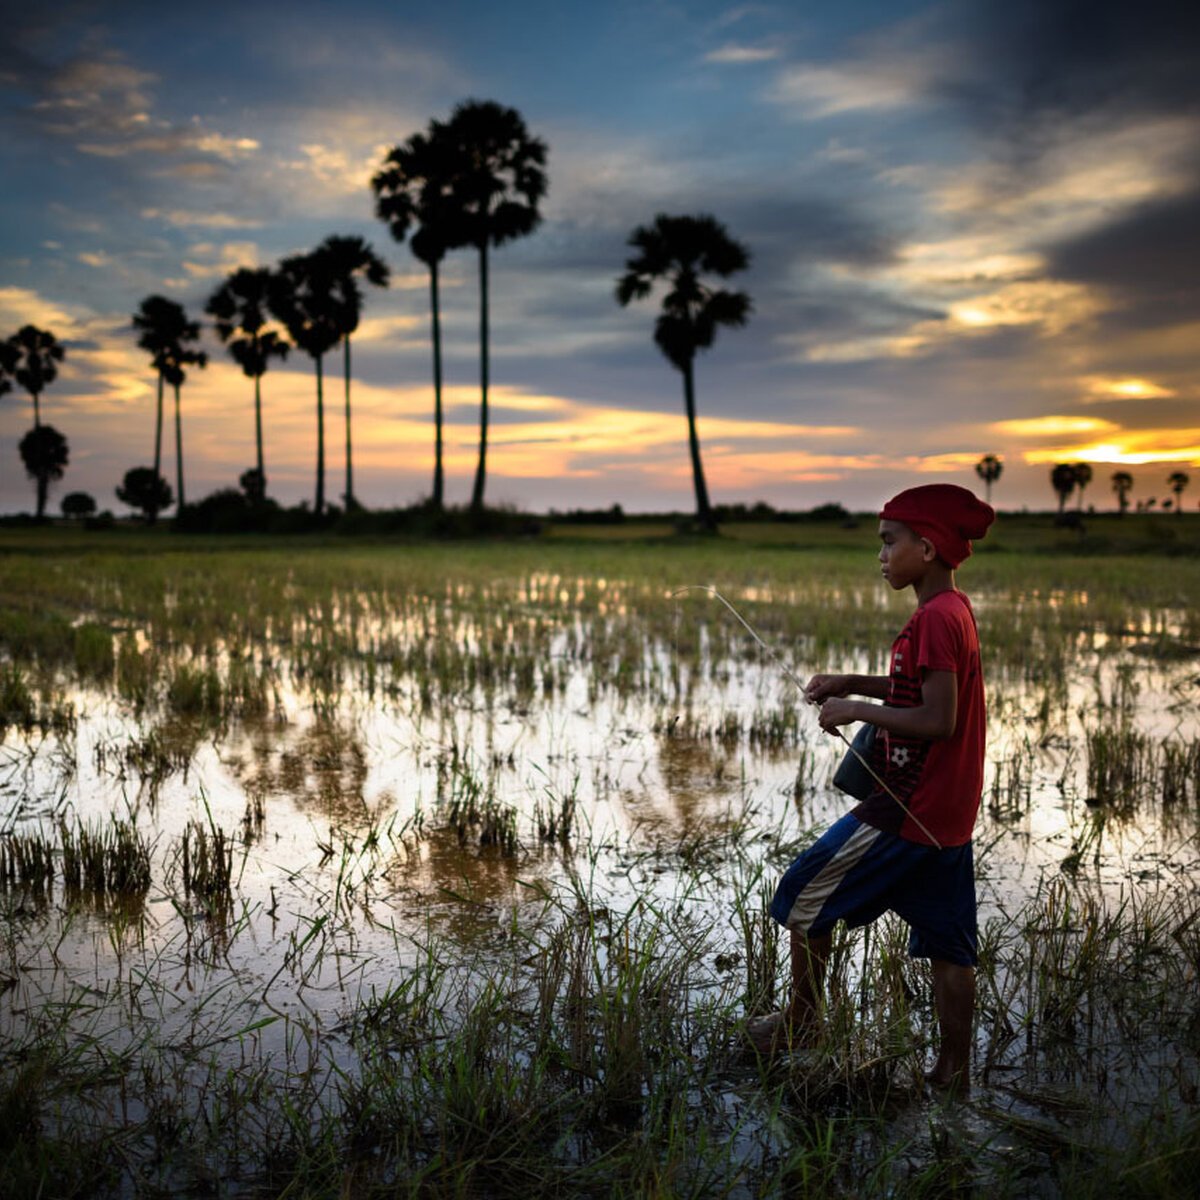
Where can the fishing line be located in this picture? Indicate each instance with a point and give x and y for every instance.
(712, 591)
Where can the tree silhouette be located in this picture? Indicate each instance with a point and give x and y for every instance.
(163, 328)
(35, 354)
(1083, 476)
(1177, 481)
(145, 489)
(349, 260)
(413, 192)
(497, 181)
(302, 296)
(8, 365)
(45, 455)
(989, 468)
(174, 373)
(78, 504)
(1063, 480)
(240, 315)
(1122, 484)
(677, 250)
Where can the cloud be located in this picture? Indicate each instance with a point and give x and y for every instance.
(1099, 387)
(96, 258)
(1076, 59)
(22, 306)
(104, 106)
(737, 55)
(1053, 426)
(183, 219)
(1148, 257)
(207, 260)
(815, 91)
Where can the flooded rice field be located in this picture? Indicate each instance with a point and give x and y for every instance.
(442, 871)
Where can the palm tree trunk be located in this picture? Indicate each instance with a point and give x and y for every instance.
(43, 486)
(481, 468)
(350, 503)
(37, 419)
(179, 500)
(319, 503)
(258, 436)
(438, 476)
(158, 424)
(703, 511)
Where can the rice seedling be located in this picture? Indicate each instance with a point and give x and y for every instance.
(104, 863)
(94, 655)
(17, 705)
(472, 810)
(1180, 774)
(555, 819)
(27, 864)
(206, 865)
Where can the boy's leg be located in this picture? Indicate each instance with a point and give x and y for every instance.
(842, 876)
(810, 953)
(954, 999)
(798, 1023)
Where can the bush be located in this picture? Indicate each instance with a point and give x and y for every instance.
(78, 504)
(226, 511)
(142, 489)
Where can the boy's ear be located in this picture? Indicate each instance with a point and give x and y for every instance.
(928, 550)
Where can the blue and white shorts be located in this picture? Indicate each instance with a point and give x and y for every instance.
(856, 872)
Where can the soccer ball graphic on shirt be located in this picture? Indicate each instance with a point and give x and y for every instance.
(900, 756)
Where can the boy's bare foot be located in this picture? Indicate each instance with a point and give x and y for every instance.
(954, 1085)
(779, 1033)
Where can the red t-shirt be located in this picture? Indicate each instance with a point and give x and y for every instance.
(939, 781)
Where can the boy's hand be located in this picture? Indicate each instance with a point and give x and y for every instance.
(836, 711)
(821, 687)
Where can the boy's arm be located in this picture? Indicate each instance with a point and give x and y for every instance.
(934, 718)
(822, 687)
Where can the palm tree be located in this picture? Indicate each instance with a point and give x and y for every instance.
(1177, 481)
(8, 365)
(240, 312)
(35, 353)
(1122, 484)
(302, 297)
(349, 259)
(989, 468)
(1062, 480)
(162, 325)
(496, 183)
(677, 250)
(174, 373)
(45, 455)
(413, 191)
(1083, 476)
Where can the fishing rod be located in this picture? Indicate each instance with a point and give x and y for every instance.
(712, 591)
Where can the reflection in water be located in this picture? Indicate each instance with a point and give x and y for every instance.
(353, 783)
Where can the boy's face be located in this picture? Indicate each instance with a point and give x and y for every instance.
(904, 557)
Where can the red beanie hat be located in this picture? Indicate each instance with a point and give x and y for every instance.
(948, 515)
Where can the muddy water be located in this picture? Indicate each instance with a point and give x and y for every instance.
(337, 800)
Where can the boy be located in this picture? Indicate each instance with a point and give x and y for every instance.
(907, 847)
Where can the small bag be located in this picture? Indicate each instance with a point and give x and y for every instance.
(851, 776)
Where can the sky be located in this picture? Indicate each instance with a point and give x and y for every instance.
(974, 228)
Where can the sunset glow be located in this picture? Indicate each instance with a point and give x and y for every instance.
(945, 261)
